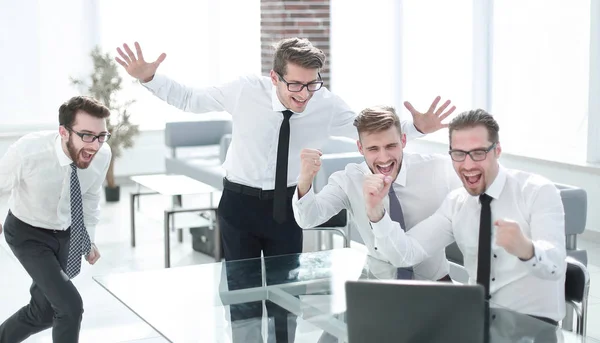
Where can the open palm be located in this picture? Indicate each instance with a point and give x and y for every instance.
(430, 121)
(136, 66)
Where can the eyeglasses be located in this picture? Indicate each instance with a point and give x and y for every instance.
(476, 154)
(90, 138)
(298, 87)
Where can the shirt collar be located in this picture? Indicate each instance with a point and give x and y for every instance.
(496, 187)
(277, 105)
(401, 178)
(63, 159)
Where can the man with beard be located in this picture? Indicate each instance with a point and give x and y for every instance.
(508, 224)
(55, 182)
(420, 184)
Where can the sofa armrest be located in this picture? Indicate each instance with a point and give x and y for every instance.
(196, 133)
(223, 146)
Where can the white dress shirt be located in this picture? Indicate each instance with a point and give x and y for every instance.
(37, 173)
(535, 287)
(256, 113)
(422, 184)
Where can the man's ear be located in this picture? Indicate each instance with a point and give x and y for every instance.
(403, 139)
(64, 133)
(360, 148)
(274, 77)
(498, 149)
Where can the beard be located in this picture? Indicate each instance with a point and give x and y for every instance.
(77, 155)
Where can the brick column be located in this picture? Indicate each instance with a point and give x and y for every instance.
(294, 18)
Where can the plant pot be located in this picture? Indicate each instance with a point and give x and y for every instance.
(112, 194)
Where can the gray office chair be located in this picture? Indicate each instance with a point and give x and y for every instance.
(336, 224)
(574, 201)
(577, 288)
(337, 153)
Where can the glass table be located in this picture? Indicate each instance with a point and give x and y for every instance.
(296, 298)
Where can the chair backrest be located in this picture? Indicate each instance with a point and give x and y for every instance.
(338, 220)
(576, 281)
(196, 133)
(574, 201)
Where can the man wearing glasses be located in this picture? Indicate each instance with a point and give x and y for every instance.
(508, 224)
(273, 119)
(55, 182)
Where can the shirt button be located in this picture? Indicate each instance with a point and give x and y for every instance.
(495, 256)
(375, 248)
(534, 264)
(493, 279)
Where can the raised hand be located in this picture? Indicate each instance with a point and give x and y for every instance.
(431, 120)
(510, 237)
(135, 65)
(375, 188)
(310, 164)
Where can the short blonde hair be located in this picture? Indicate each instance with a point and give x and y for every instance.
(376, 119)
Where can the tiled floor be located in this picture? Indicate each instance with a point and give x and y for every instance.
(107, 320)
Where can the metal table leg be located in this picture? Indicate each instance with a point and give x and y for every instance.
(167, 241)
(132, 197)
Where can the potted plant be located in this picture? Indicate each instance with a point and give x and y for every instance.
(104, 85)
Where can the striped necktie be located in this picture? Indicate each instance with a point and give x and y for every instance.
(79, 243)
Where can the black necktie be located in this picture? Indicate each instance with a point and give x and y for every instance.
(397, 215)
(281, 171)
(484, 253)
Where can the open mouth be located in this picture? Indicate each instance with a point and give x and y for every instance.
(299, 102)
(472, 178)
(86, 156)
(385, 169)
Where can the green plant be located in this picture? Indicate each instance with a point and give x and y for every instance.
(104, 85)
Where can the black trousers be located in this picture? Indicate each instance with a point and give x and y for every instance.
(247, 228)
(55, 302)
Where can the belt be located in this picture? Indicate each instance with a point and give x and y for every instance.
(252, 191)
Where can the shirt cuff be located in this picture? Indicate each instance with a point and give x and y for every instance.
(308, 197)
(413, 132)
(91, 230)
(382, 228)
(536, 261)
(157, 81)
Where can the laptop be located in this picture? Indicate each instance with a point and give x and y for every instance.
(403, 311)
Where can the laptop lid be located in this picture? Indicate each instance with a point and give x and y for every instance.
(402, 311)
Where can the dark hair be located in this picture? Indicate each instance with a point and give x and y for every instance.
(68, 110)
(298, 51)
(475, 118)
(377, 119)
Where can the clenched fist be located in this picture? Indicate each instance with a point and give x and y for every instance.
(510, 237)
(310, 164)
(375, 188)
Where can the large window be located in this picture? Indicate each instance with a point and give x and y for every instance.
(540, 76)
(193, 35)
(437, 54)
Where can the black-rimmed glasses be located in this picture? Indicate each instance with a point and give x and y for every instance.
(90, 138)
(298, 87)
(476, 154)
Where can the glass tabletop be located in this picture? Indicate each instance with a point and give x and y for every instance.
(294, 298)
(168, 184)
